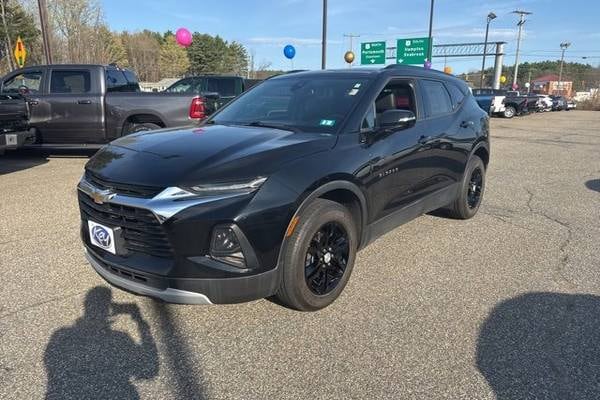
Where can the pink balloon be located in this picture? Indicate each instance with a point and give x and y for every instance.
(183, 37)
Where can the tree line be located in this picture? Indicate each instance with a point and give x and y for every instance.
(583, 76)
(79, 34)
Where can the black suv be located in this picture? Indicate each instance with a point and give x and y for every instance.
(275, 193)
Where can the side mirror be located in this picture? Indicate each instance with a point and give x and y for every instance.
(394, 120)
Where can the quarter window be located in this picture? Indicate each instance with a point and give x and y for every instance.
(438, 99)
(456, 94)
(70, 82)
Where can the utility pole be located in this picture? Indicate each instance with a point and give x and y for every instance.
(520, 24)
(430, 50)
(44, 25)
(324, 37)
(351, 36)
(491, 16)
(563, 47)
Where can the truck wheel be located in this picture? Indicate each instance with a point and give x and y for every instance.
(509, 112)
(318, 257)
(146, 126)
(470, 194)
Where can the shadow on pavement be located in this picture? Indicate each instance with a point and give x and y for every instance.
(593, 184)
(18, 160)
(188, 384)
(542, 346)
(90, 360)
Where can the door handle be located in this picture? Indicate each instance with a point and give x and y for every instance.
(467, 124)
(84, 102)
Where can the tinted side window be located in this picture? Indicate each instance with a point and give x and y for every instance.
(28, 82)
(456, 94)
(70, 82)
(224, 86)
(438, 100)
(115, 81)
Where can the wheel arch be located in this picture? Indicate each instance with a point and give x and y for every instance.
(482, 151)
(141, 118)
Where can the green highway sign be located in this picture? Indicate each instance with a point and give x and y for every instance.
(372, 53)
(412, 51)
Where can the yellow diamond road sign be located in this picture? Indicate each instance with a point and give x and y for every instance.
(20, 52)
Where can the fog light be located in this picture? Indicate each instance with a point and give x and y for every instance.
(225, 246)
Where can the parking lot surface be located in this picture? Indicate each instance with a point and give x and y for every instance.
(506, 305)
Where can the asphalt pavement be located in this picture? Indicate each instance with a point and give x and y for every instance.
(503, 306)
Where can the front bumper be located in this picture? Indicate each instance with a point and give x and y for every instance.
(187, 290)
(15, 140)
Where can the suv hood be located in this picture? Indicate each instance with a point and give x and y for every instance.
(207, 154)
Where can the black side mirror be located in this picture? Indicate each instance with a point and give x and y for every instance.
(395, 120)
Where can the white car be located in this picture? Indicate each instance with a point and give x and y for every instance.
(545, 102)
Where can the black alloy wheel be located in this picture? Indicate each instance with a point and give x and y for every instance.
(326, 258)
(475, 188)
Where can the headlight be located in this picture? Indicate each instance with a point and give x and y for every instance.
(232, 187)
(216, 189)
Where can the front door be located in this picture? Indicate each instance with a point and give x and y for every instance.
(400, 165)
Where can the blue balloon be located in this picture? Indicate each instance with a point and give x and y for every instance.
(289, 51)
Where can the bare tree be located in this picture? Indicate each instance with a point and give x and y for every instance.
(7, 42)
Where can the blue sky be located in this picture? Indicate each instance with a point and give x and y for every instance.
(264, 27)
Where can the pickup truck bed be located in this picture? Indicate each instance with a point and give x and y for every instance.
(85, 105)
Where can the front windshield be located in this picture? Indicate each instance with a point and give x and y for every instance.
(315, 104)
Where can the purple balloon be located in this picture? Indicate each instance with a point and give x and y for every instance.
(183, 37)
(427, 64)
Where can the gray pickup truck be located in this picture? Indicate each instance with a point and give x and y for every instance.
(74, 105)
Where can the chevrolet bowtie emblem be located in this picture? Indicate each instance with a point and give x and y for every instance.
(102, 196)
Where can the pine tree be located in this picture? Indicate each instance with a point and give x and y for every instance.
(173, 58)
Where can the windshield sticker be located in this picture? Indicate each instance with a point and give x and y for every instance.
(353, 92)
(327, 122)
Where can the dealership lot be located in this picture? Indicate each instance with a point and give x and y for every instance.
(504, 305)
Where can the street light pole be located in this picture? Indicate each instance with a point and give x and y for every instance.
(430, 50)
(563, 47)
(324, 38)
(520, 24)
(490, 17)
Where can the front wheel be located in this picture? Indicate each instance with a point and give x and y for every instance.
(318, 257)
(509, 112)
(470, 194)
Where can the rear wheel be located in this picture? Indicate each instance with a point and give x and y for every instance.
(470, 194)
(141, 127)
(509, 112)
(318, 257)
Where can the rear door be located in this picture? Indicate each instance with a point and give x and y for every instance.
(76, 107)
(445, 132)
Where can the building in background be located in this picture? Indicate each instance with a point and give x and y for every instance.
(548, 84)
(157, 86)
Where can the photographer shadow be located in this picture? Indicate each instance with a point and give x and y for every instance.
(91, 360)
(542, 346)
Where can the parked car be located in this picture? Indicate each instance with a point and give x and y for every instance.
(498, 102)
(275, 193)
(571, 105)
(223, 88)
(94, 104)
(559, 103)
(545, 102)
(14, 119)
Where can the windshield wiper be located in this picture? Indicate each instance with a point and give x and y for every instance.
(263, 124)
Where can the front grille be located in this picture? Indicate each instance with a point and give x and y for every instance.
(121, 188)
(141, 231)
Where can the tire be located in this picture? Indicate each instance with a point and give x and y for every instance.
(466, 206)
(302, 267)
(146, 126)
(509, 112)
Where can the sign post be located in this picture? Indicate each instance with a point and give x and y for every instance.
(20, 52)
(372, 53)
(412, 51)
